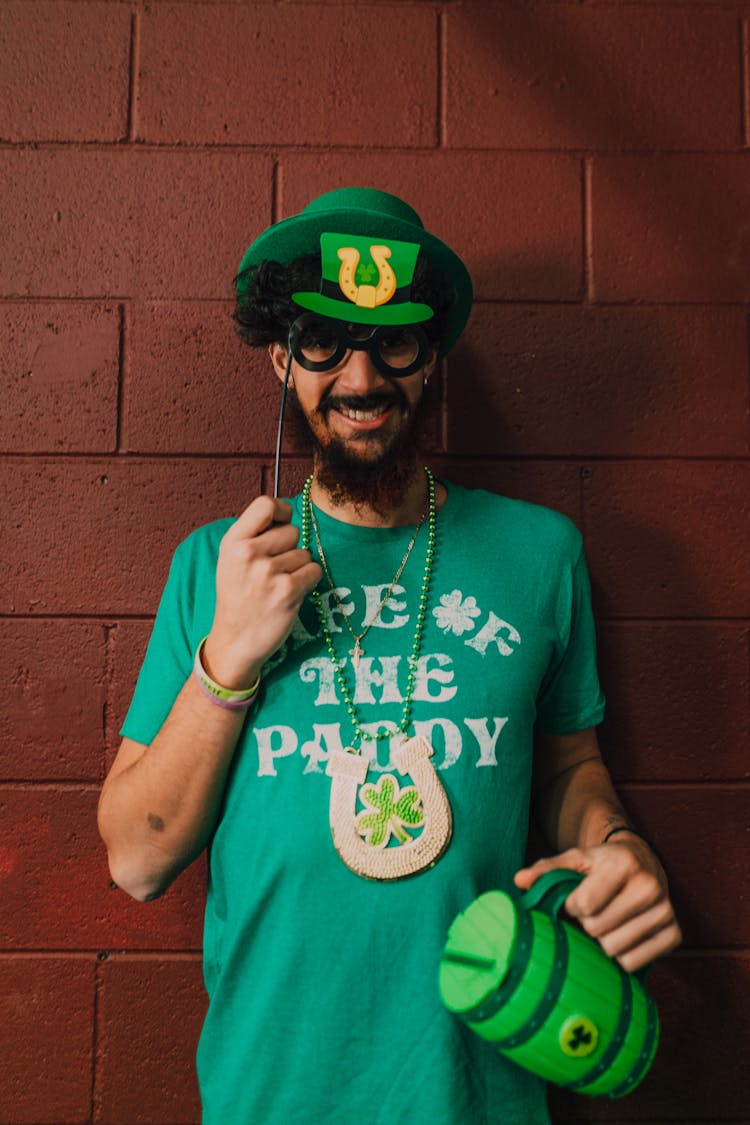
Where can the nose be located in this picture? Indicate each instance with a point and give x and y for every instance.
(359, 375)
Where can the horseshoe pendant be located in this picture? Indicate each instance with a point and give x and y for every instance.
(361, 838)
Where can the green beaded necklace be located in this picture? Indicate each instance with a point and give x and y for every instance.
(362, 735)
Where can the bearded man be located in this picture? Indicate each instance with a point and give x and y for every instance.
(351, 698)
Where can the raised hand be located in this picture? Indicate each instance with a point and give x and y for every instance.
(262, 578)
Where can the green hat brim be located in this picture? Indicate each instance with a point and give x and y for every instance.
(299, 235)
(406, 313)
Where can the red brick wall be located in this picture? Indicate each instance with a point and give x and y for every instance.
(589, 161)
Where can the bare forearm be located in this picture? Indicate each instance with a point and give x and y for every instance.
(156, 815)
(579, 807)
(623, 900)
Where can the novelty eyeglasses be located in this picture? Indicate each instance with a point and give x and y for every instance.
(319, 344)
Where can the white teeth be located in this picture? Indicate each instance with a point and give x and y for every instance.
(363, 415)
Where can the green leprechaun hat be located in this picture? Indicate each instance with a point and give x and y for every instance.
(369, 241)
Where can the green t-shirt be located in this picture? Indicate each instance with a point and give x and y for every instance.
(324, 1003)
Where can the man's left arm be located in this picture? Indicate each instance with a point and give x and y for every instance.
(623, 901)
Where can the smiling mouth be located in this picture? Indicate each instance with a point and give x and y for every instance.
(364, 415)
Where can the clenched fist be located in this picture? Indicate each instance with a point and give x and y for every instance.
(623, 900)
(262, 577)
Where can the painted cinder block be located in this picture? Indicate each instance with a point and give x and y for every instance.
(129, 221)
(701, 832)
(582, 381)
(57, 891)
(192, 386)
(59, 374)
(669, 538)
(123, 520)
(553, 484)
(46, 1006)
(65, 71)
(149, 1020)
(670, 228)
(576, 78)
(701, 1072)
(521, 238)
(677, 696)
(274, 74)
(51, 726)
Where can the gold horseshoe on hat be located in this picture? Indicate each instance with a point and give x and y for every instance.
(366, 296)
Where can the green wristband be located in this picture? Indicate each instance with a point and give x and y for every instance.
(224, 697)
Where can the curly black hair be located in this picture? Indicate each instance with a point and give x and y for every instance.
(264, 308)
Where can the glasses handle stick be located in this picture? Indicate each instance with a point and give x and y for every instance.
(280, 431)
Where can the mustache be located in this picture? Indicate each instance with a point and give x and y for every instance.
(361, 402)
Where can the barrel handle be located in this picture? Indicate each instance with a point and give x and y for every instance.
(550, 890)
(549, 893)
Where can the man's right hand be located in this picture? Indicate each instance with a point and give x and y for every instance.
(262, 578)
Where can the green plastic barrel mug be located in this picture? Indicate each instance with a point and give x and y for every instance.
(546, 994)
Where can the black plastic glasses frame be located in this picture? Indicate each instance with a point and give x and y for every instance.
(345, 342)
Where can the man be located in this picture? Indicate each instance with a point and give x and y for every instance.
(344, 696)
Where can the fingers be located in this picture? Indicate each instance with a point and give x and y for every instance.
(622, 902)
(573, 859)
(658, 945)
(642, 938)
(305, 579)
(275, 540)
(604, 908)
(260, 515)
(290, 561)
(608, 875)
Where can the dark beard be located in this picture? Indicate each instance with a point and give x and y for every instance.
(378, 484)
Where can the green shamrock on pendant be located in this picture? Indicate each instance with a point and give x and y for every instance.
(392, 810)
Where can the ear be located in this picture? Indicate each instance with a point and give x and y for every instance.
(430, 365)
(278, 354)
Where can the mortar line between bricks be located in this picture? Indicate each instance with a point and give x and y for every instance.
(68, 785)
(193, 953)
(322, 149)
(93, 618)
